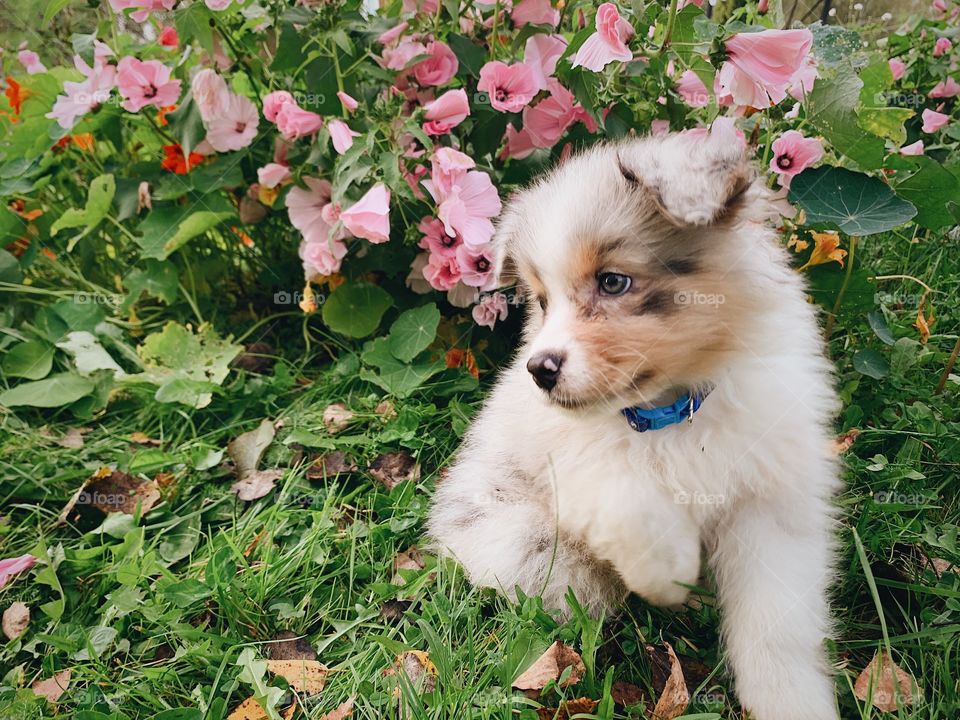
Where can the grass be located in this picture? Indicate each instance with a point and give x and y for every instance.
(144, 636)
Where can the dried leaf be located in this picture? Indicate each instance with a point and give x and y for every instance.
(117, 491)
(73, 438)
(246, 450)
(306, 676)
(627, 694)
(256, 484)
(843, 442)
(419, 669)
(290, 646)
(385, 410)
(392, 468)
(675, 697)
(550, 666)
(330, 465)
(922, 324)
(394, 610)
(15, 620)
(567, 709)
(941, 566)
(249, 709)
(885, 685)
(412, 559)
(341, 712)
(53, 687)
(336, 418)
(141, 438)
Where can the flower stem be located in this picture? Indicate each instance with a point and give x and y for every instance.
(670, 22)
(828, 329)
(951, 362)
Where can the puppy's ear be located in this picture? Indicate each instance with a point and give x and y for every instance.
(693, 179)
(505, 268)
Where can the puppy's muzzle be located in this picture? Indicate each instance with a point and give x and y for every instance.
(545, 368)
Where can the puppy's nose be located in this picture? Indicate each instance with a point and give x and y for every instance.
(545, 368)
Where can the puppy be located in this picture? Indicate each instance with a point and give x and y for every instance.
(670, 403)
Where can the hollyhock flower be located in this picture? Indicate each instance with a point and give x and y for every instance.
(940, 5)
(15, 565)
(393, 34)
(462, 296)
(348, 103)
(144, 201)
(446, 112)
(550, 118)
(761, 65)
(421, 7)
(210, 93)
(305, 206)
(913, 148)
(294, 122)
(509, 87)
(397, 58)
(519, 144)
(933, 120)
(272, 102)
(491, 308)
(941, 46)
(945, 89)
(792, 154)
(82, 97)
(415, 279)
(541, 54)
(31, 62)
(217, 5)
(168, 37)
(691, 88)
(435, 238)
(793, 113)
(536, 12)
(608, 43)
(897, 68)
(369, 217)
(236, 127)
(467, 206)
(321, 256)
(145, 82)
(801, 83)
(273, 174)
(341, 135)
(448, 166)
(142, 8)
(476, 266)
(442, 272)
(439, 68)
(659, 127)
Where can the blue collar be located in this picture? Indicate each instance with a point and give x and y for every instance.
(643, 419)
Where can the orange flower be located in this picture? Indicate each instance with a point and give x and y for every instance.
(84, 141)
(162, 114)
(19, 207)
(175, 162)
(456, 357)
(15, 95)
(308, 303)
(244, 238)
(826, 249)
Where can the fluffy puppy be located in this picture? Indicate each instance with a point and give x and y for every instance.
(648, 276)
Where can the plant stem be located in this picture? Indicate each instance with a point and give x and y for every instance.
(828, 330)
(951, 362)
(670, 21)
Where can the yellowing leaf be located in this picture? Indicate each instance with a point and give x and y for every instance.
(675, 697)
(550, 666)
(306, 676)
(885, 685)
(249, 709)
(923, 323)
(341, 712)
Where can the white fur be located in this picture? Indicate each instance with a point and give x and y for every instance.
(546, 498)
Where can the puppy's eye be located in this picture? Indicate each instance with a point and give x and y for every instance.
(613, 283)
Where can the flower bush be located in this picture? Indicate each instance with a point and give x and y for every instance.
(213, 150)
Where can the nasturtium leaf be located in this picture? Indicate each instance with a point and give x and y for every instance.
(396, 377)
(903, 355)
(413, 331)
(878, 323)
(832, 109)
(10, 271)
(871, 363)
(355, 309)
(32, 360)
(929, 186)
(56, 391)
(180, 540)
(855, 203)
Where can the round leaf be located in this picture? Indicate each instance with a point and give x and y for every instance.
(871, 363)
(355, 309)
(413, 331)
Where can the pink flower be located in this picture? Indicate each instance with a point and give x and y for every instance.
(415, 279)
(659, 127)
(550, 118)
(210, 93)
(941, 46)
(801, 83)
(272, 102)
(217, 5)
(369, 217)
(541, 54)
(15, 565)
(321, 256)
(294, 122)
(761, 65)
(446, 112)
(168, 37)
(442, 271)
(792, 154)
(436, 240)
(236, 127)
(509, 87)
(143, 7)
(82, 97)
(349, 104)
(519, 144)
(476, 266)
(608, 43)
(439, 68)
(145, 82)
(940, 5)
(31, 62)
(897, 68)
(912, 149)
(397, 58)
(466, 206)
(933, 120)
(393, 33)
(306, 208)
(692, 90)
(537, 12)
(491, 308)
(945, 89)
(341, 135)
(447, 167)
(763, 6)
(273, 174)
(421, 7)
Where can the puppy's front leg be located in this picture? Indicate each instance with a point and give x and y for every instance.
(773, 565)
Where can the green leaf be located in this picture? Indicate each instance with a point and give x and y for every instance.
(855, 203)
(55, 391)
(355, 309)
(693, 33)
(53, 7)
(99, 198)
(396, 377)
(181, 540)
(874, 115)
(89, 356)
(470, 55)
(413, 331)
(185, 593)
(167, 229)
(880, 328)
(195, 224)
(836, 46)
(871, 363)
(904, 355)
(156, 278)
(32, 360)
(831, 108)
(931, 187)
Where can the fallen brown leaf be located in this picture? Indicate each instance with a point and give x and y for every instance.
(15, 620)
(337, 417)
(246, 450)
(341, 712)
(941, 566)
(842, 443)
(549, 666)
(675, 696)
(249, 709)
(385, 410)
(567, 709)
(141, 438)
(117, 491)
(306, 676)
(290, 646)
(419, 669)
(394, 610)
(73, 438)
(330, 465)
(627, 694)
(411, 559)
(53, 687)
(885, 685)
(392, 468)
